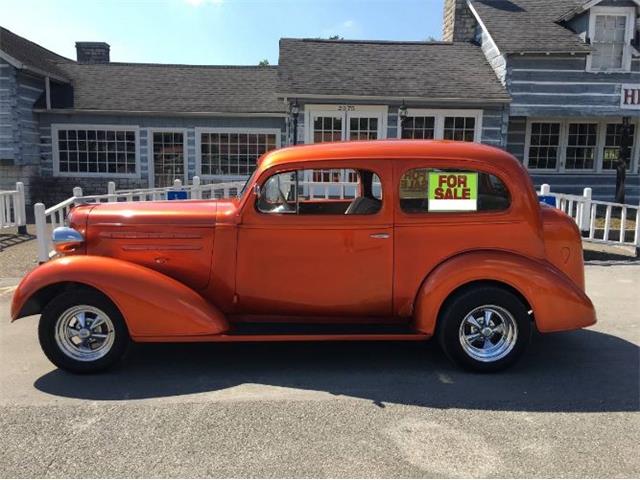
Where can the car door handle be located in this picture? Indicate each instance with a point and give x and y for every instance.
(379, 235)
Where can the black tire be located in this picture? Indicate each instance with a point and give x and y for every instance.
(57, 308)
(462, 304)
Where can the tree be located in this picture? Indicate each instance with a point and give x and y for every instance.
(336, 37)
(263, 63)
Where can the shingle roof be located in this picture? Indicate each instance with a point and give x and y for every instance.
(530, 25)
(430, 70)
(31, 55)
(140, 87)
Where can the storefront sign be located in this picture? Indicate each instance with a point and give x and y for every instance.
(630, 96)
(453, 191)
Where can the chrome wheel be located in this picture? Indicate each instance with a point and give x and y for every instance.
(84, 333)
(488, 333)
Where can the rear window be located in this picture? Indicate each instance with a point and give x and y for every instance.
(426, 190)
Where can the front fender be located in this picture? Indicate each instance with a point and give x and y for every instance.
(151, 303)
(558, 304)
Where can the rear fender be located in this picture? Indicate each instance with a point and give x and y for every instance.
(151, 303)
(558, 304)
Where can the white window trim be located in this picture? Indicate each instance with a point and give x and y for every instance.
(150, 160)
(229, 178)
(56, 127)
(600, 144)
(630, 13)
(345, 111)
(439, 120)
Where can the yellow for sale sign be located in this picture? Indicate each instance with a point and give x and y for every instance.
(453, 191)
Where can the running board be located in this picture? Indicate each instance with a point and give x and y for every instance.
(351, 337)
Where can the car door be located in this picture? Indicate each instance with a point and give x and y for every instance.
(304, 256)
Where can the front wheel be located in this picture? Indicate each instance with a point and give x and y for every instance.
(83, 332)
(484, 329)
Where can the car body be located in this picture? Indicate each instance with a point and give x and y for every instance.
(388, 261)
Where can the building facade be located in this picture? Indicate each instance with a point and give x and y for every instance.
(552, 81)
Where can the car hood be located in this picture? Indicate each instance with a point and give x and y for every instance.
(191, 212)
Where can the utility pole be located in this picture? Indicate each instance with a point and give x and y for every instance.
(624, 157)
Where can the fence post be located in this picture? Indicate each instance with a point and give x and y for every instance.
(41, 232)
(77, 192)
(196, 193)
(111, 191)
(177, 183)
(585, 216)
(545, 189)
(21, 210)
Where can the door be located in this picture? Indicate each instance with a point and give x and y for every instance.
(334, 123)
(168, 151)
(303, 255)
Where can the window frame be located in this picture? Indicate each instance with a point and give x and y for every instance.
(600, 143)
(229, 130)
(55, 152)
(440, 114)
(629, 13)
(300, 178)
(345, 112)
(151, 162)
(462, 213)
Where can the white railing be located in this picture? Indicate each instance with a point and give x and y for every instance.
(600, 222)
(13, 209)
(49, 218)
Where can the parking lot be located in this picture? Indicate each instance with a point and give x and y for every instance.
(568, 409)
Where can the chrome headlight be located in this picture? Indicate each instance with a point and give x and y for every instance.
(66, 239)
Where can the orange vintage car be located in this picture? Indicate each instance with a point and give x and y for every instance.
(383, 240)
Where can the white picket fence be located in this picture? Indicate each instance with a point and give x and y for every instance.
(47, 219)
(600, 222)
(13, 209)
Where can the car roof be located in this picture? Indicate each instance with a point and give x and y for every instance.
(393, 150)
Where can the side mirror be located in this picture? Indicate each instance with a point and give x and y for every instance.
(256, 191)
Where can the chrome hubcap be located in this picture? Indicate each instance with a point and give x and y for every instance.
(84, 333)
(488, 333)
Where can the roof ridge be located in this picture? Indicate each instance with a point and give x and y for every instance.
(182, 65)
(370, 42)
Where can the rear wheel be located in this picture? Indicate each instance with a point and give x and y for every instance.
(82, 332)
(484, 329)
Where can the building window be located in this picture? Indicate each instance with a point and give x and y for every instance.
(581, 146)
(544, 145)
(459, 128)
(363, 128)
(461, 125)
(327, 129)
(610, 32)
(233, 153)
(612, 143)
(168, 157)
(419, 127)
(95, 151)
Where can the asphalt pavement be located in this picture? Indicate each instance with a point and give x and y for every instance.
(570, 408)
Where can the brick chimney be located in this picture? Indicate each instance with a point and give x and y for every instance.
(459, 24)
(92, 52)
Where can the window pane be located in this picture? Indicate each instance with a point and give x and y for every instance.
(419, 128)
(80, 154)
(459, 128)
(234, 153)
(581, 146)
(543, 145)
(491, 194)
(329, 129)
(612, 144)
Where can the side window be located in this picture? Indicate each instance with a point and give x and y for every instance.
(322, 192)
(425, 190)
